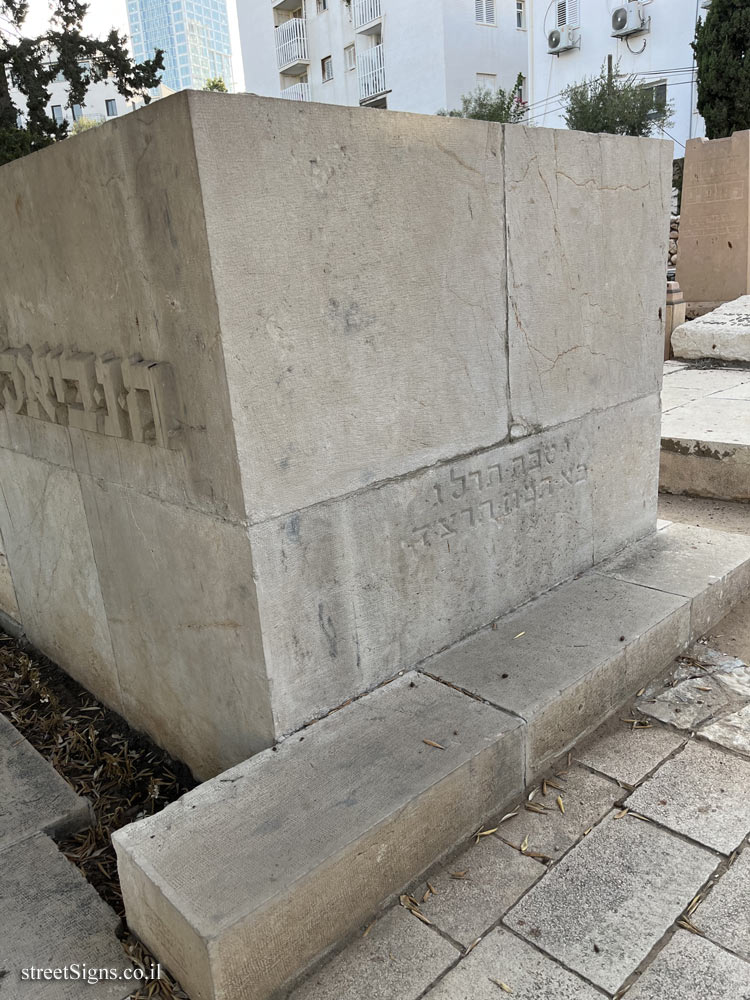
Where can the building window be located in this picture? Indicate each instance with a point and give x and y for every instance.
(658, 93)
(57, 113)
(77, 112)
(567, 13)
(327, 68)
(111, 108)
(322, 5)
(350, 58)
(487, 80)
(484, 11)
(520, 13)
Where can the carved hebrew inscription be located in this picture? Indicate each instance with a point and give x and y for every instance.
(131, 398)
(471, 495)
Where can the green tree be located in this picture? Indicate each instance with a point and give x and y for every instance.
(722, 47)
(216, 83)
(30, 64)
(491, 105)
(613, 103)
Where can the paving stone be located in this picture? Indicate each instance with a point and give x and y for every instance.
(35, 798)
(709, 380)
(397, 960)
(302, 843)
(603, 907)
(702, 793)
(710, 567)
(504, 958)
(496, 876)
(687, 704)
(731, 731)
(51, 918)
(627, 754)
(569, 658)
(586, 798)
(725, 915)
(691, 968)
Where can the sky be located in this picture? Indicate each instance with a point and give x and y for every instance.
(106, 14)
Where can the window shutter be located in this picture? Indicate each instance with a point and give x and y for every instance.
(489, 11)
(573, 14)
(562, 13)
(479, 10)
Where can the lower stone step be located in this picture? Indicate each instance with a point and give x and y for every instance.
(245, 880)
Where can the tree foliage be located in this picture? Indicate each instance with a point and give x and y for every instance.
(722, 57)
(216, 83)
(617, 104)
(491, 105)
(31, 64)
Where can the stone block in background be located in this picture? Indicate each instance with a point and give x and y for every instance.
(723, 333)
(294, 445)
(713, 265)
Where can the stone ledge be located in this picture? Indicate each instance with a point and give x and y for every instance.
(243, 882)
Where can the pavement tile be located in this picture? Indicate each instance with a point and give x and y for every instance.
(496, 876)
(702, 792)
(35, 798)
(586, 799)
(731, 731)
(604, 906)
(397, 960)
(627, 754)
(725, 914)
(687, 704)
(51, 917)
(502, 957)
(691, 968)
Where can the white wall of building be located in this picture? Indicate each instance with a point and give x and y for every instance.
(660, 55)
(432, 53)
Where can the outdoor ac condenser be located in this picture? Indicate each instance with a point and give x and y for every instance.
(628, 19)
(560, 39)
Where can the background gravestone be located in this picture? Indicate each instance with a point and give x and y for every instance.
(296, 396)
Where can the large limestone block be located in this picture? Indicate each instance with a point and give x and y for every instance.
(585, 270)
(241, 882)
(714, 263)
(8, 602)
(723, 333)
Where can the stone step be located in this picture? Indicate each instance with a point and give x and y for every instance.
(57, 928)
(34, 796)
(241, 883)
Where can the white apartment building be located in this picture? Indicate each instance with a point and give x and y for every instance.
(402, 54)
(571, 39)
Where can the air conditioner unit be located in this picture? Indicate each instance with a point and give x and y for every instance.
(560, 39)
(628, 19)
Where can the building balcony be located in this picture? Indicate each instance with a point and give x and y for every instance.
(371, 72)
(297, 92)
(366, 15)
(291, 47)
(286, 4)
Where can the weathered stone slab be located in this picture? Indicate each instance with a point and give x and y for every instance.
(52, 918)
(573, 348)
(627, 754)
(567, 659)
(723, 333)
(723, 915)
(731, 731)
(714, 262)
(301, 843)
(399, 957)
(707, 381)
(710, 567)
(8, 602)
(603, 907)
(495, 877)
(35, 798)
(701, 793)
(586, 799)
(687, 704)
(690, 966)
(502, 958)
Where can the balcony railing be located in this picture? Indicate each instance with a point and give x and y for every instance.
(291, 42)
(371, 72)
(297, 92)
(366, 11)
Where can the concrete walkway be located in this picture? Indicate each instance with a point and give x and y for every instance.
(706, 431)
(640, 887)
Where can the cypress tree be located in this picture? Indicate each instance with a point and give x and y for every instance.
(721, 49)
